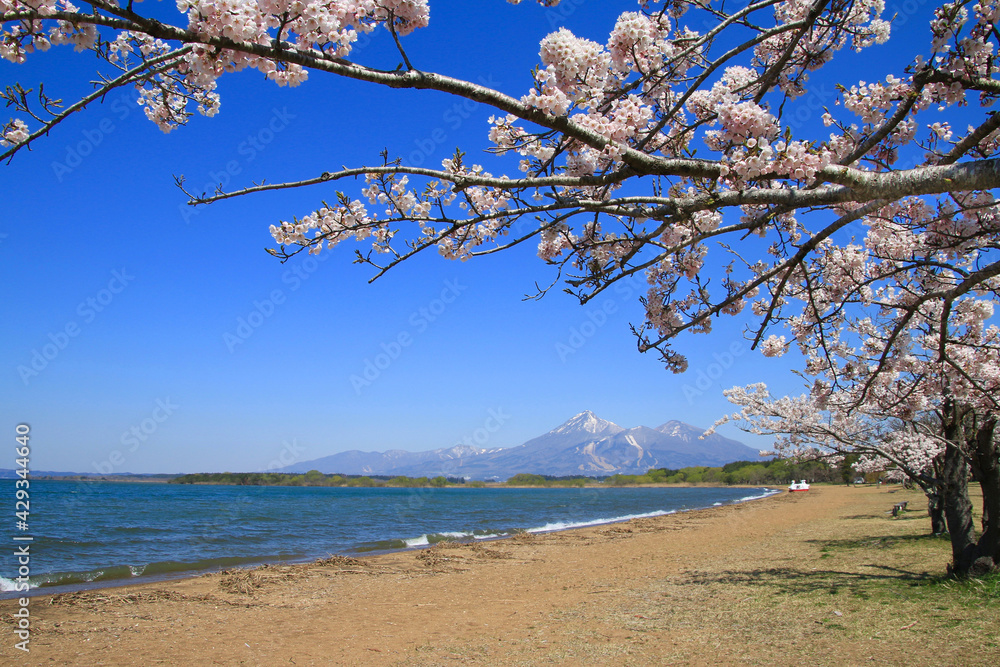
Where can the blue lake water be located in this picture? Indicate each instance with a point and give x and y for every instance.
(99, 533)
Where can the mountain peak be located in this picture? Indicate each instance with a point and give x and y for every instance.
(679, 429)
(588, 422)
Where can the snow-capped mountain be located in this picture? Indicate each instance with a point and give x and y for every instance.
(587, 422)
(676, 429)
(583, 445)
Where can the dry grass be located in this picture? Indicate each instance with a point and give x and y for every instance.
(341, 561)
(241, 582)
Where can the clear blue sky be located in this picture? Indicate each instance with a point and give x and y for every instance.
(134, 294)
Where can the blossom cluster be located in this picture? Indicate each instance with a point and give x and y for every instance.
(15, 132)
(808, 427)
(640, 43)
(30, 35)
(583, 73)
(332, 224)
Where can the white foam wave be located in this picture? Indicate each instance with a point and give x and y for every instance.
(566, 525)
(768, 492)
(9, 585)
(426, 539)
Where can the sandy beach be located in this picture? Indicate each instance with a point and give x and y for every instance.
(824, 577)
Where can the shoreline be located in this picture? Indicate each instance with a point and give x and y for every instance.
(467, 485)
(251, 562)
(760, 583)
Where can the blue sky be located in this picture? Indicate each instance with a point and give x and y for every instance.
(128, 303)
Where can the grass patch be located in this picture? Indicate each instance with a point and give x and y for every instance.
(968, 591)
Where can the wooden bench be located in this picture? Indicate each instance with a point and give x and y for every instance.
(898, 507)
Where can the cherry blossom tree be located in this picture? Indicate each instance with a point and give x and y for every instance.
(898, 384)
(889, 340)
(806, 428)
(925, 456)
(662, 151)
(937, 450)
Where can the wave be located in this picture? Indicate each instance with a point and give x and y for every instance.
(767, 493)
(426, 540)
(117, 572)
(429, 539)
(567, 525)
(490, 536)
(10, 586)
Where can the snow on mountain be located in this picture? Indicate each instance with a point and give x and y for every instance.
(583, 445)
(587, 422)
(676, 429)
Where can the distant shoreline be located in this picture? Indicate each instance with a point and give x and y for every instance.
(774, 472)
(480, 485)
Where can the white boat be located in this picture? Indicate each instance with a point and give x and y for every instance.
(799, 486)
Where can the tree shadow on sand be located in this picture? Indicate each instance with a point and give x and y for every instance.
(794, 581)
(877, 541)
(908, 515)
(857, 576)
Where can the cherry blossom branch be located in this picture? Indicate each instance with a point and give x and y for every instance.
(853, 185)
(147, 68)
(771, 74)
(462, 181)
(409, 79)
(972, 139)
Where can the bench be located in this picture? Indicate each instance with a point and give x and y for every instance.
(898, 507)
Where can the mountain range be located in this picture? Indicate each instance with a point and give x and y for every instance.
(584, 445)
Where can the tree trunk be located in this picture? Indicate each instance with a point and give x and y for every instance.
(935, 508)
(957, 506)
(986, 459)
